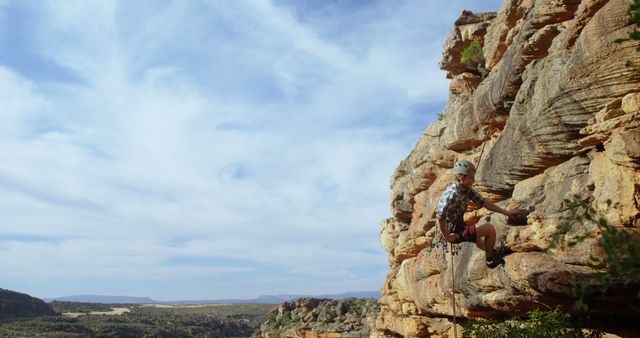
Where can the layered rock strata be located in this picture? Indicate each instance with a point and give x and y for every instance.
(558, 114)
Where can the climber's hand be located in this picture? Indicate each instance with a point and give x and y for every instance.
(512, 214)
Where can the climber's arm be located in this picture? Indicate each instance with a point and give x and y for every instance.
(493, 207)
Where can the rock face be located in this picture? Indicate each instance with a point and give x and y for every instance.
(19, 305)
(311, 317)
(557, 114)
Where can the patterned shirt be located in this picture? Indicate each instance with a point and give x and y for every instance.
(453, 204)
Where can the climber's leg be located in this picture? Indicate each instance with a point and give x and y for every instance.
(486, 238)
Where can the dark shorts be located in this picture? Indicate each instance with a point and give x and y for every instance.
(468, 234)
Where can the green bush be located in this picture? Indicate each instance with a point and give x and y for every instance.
(272, 318)
(356, 308)
(286, 319)
(472, 57)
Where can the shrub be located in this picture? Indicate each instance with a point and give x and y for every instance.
(473, 58)
(286, 319)
(356, 307)
(272, 318)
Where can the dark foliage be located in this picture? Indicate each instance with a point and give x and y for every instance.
(634, 13)
(472, 57)
(620, 266)
(19, 305)
(176, 321)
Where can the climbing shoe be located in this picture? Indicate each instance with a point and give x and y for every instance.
(494, 261)
(499, 250)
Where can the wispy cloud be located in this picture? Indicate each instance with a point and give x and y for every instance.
(217, 148)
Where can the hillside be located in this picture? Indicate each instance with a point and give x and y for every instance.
(553, 108)
(19, 305)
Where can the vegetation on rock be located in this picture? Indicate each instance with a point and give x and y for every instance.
(473, 58)
(550, 324)
(344, 317)
(634, 12)
(619, 268)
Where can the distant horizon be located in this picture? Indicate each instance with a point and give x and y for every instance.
(282, 297)
(209, 149)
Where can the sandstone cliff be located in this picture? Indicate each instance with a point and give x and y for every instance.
(562, 112)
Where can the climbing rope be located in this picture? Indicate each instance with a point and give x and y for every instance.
(484, 143)
(453, 294)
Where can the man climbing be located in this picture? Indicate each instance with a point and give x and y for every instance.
(452, 206)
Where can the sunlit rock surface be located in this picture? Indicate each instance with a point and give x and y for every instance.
(557, 114)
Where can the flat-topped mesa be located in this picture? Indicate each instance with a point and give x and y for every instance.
(560, 113)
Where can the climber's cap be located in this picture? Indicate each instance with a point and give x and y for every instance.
(464, 167)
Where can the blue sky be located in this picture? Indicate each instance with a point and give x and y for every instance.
(209, 149)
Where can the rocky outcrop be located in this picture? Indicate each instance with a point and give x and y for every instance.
(15, 305)
(558, 114)
(469, 27)
(311, 317)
